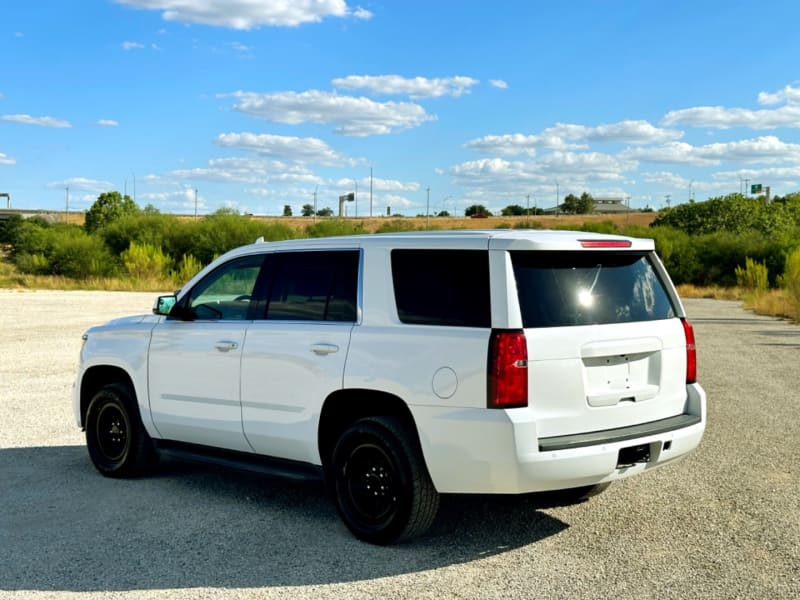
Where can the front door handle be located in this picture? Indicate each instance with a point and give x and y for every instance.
(226, 346)
(322, 349)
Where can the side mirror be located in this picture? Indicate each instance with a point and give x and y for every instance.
(163, 304)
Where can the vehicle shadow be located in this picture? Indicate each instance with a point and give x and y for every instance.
(64, 527)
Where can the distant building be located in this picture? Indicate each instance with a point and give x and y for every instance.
(609, 206)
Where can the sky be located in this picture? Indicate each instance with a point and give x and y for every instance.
(415, 106)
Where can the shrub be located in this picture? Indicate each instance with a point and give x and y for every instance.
(78, 255)
(188, 267)
(791, 278)
(753, 277)
(145, 261)
(396, 225)
(334, 227)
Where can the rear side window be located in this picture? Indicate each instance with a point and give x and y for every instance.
(314, 286)
(587, 288)
(442, 287)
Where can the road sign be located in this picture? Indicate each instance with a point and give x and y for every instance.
(755, 188)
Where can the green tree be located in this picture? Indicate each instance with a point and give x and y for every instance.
(477, 210)
(585, 204)
(287, 210)
(307, 210)
(325, 212)
(513, 210)
(570, 205)
(108, 207)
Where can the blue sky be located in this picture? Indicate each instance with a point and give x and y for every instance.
(258, 104)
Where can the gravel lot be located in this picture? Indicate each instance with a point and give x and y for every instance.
(725, 523)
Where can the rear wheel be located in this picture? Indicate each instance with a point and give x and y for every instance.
(118, 444)
(382, 488)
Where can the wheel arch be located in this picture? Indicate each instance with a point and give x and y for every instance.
(343, 407)
(95, 378)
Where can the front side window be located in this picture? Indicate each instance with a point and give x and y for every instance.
(588, 288)
(442, 287)
(227, 292)
(314, 286)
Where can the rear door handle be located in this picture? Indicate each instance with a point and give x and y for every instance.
(322, 349)
(226, 346)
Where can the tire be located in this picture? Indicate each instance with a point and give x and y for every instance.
(118, 444)
(382, 489)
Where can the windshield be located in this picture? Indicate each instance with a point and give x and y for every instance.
(588, 288)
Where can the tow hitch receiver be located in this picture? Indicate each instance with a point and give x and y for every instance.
(633, 455)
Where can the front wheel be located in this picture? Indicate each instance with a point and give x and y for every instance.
(117, 441)
(382, 487)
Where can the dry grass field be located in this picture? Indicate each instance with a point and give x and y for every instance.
(371, 224)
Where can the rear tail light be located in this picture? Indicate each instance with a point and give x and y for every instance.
(691, 352)
(507, 381)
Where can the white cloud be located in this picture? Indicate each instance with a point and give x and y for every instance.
(389, 185)
(771, 175)
(498, 83)
(239, 47)
(83, 184)
(519, 177)
(131, 45)
(362, 13)
(667, 179)
(107, 123)
(630, 131)
(40, 121)
(415, 87)
(355, 116)
(295, 149)
(518, 143)
(239, 170)
(764, 149)
(5, 159)
(720, 117)
(788, 94)
(249, 14)
(561, 136)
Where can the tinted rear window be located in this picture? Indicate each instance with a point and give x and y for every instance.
(442, 287)
(314, 286)
(586, 288)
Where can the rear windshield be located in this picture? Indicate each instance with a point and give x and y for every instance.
(557, 289)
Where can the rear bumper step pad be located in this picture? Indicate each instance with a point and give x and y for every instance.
(609, 436)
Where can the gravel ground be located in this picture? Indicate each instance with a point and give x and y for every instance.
(724, 523)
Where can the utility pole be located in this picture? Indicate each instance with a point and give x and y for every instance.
(315, 203)
(428, 208)
(747, 186)
(668, 198)
(67, 216)
(355, 197)
(370, 192)
(557, 198)
(195, 204)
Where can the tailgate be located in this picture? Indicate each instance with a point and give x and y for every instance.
(606, 346)
(593, 378)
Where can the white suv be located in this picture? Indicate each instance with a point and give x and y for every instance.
(399, 367)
